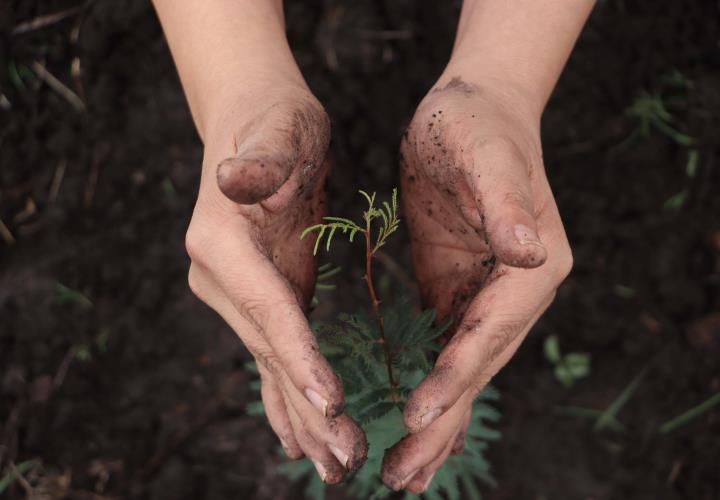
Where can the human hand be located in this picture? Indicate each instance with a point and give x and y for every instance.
(262, 183)
(488, 247)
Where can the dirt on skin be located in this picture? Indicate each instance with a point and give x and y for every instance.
(132, 388)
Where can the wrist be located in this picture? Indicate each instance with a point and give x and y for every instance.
(496, 85)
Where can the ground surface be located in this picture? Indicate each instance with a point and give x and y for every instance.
(141, 393)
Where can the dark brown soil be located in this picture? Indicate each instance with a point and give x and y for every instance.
(142, 393)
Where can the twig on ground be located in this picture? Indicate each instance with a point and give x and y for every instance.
(63, 368)
(57, 181)
(99, 156)
(63, 90)
(6, 234)
(21, 479)
(45, 20)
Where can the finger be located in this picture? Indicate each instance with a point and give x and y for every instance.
(492, 328)
(268, 150)
(273, 401)
(459, 445)
(406, 458)
(250, 180)
(500, 181)
(277, 415)
(340, 435)
(478, 349)
(421, 481)
(264, 298)
(327, 466)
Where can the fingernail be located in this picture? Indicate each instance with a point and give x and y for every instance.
(339, 454)
(429, 417)
(408, 478)
(317, 401)
(321, 470)
(427, 483)
(526, 235)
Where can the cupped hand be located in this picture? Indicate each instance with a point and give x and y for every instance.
(262, 183)
(488, 247)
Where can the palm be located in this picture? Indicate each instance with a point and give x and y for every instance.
(278, 222)
(451, 250)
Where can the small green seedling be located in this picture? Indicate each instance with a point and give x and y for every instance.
(568, 368)
(381, 355)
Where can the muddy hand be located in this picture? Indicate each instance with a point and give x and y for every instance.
(488, 247)
(264, 166)
(488, 244)
(262, 183)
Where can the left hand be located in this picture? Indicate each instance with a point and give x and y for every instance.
(488, 248)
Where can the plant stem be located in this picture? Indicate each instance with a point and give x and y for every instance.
(376, 307)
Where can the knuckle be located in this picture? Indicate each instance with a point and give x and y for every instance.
(515, 197)
(193, 244)
(270, 362)
(498, 149)
(563, 265)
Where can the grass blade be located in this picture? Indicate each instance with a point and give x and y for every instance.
(610, 413)
(11, 476)
(692, 413)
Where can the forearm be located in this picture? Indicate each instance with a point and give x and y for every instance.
(222, 47)
(521, 43)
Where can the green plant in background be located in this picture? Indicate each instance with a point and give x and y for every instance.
(380, 356)
(14, 473)
(568, 368)
(652, 113)
(608, 417)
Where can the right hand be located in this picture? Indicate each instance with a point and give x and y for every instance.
(262, 183)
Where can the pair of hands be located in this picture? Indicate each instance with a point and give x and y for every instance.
(487, 242)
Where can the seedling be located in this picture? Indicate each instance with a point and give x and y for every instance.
(569, 368)
(652, 113)
(380, 356)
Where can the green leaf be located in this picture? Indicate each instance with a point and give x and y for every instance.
(624, 292)
(676, 201)
(552, 349)
(578, 364)
(66, 295)
(255, 408)
(692, 163)
(10, 475)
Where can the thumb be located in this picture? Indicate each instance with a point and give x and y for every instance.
(500, 181)
(271, 147)
(262, 162)
(253, 178)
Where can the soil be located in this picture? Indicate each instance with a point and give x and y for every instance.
(135, 389)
